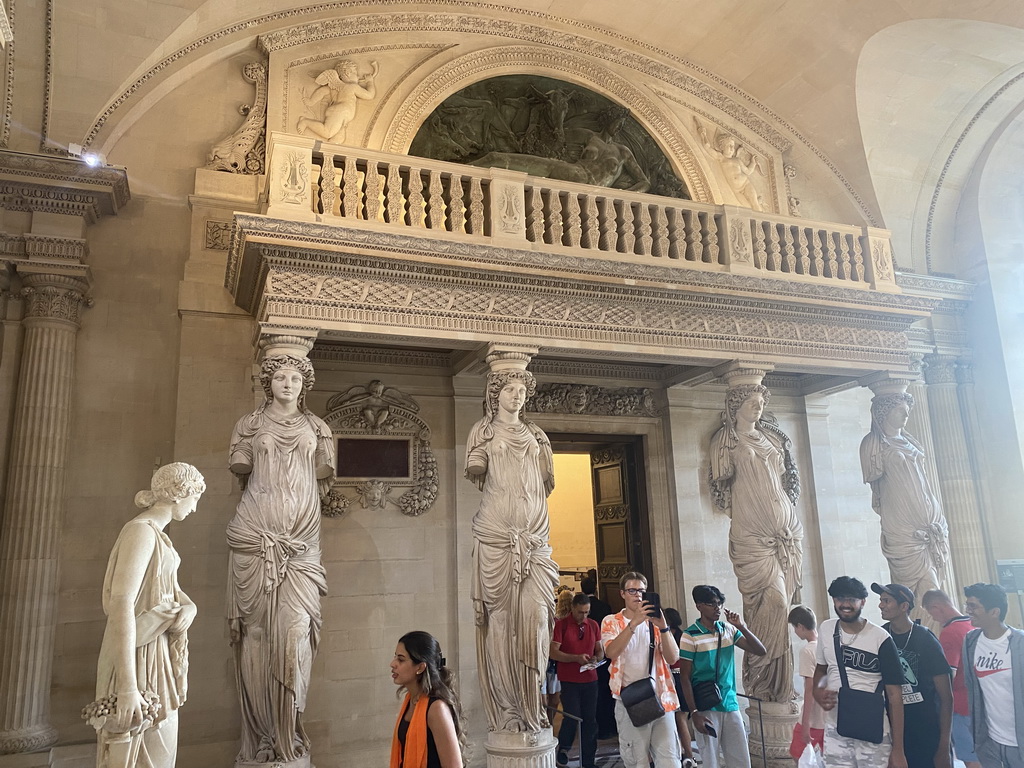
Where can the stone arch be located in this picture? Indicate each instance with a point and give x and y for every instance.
(518, 59)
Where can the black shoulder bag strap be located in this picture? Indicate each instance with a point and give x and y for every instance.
(718, 652)
(650, 656)
(842, 666)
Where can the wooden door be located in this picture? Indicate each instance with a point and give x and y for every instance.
(618, 518)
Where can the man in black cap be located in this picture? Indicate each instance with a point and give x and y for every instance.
(927, 684)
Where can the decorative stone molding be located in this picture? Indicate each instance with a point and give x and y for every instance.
(498, 293)
(575, 370)
(583, 399)
(27, 739)
(61, 185)
(244, 150)
(67, 248)
(376, 358)
(382, 411)
(5, 130)
(218, 235)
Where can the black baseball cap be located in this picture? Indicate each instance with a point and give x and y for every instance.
(898, 592)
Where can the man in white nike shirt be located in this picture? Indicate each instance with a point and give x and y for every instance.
(993, 658)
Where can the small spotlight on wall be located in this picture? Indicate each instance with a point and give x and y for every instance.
(92, 159)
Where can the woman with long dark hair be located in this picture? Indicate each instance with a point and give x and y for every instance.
(428, 733)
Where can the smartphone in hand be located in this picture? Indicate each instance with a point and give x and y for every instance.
(654, 607)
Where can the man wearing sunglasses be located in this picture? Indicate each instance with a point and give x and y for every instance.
(576, 643)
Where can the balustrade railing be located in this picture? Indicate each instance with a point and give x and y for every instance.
(312, 180)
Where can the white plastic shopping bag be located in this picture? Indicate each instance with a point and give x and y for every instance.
(811, 758)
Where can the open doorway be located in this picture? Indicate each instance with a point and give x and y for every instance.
(598, 511)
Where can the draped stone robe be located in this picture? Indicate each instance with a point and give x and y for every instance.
(514, 575)
(765, 546)
(277, 578)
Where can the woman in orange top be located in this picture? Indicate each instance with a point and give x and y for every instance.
(428, 733)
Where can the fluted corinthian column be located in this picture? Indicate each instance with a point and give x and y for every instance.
(956, 474)
(30, 532)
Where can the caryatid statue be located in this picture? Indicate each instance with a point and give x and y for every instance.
(514, 577)
(755, 480)
(915, 536)
(282, 454)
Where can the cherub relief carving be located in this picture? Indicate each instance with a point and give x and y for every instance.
(376, 401)
(738, 172)
(342, 88)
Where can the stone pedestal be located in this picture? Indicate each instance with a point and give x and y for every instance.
(775, 721)
(30, 533)
(302, 762)
(521, 750)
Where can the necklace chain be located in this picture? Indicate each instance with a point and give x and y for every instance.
(905, 642)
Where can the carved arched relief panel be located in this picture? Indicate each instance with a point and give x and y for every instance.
(384, 456)
(556, 65)
(548, 128)
(590, 400)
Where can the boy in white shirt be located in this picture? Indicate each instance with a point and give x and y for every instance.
(811, 727)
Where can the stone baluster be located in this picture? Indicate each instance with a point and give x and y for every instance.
(30, 532)
(955, 474)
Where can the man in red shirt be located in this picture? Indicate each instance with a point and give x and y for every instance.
(576, 642)
(955, 627)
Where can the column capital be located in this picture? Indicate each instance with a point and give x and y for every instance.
(940, 369)
(737, 373)
(54, 297)
(505, 357)
(273, 341)
(888, 382)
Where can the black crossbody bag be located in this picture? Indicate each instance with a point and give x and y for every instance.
(706, 694)
(861, 714)
(640, 698)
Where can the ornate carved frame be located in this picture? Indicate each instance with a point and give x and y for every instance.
(347, 418)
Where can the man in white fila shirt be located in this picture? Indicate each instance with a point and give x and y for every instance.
(994, 673)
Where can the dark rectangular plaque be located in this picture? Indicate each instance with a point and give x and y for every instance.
(374, 457)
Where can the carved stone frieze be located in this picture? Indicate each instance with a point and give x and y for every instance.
(481, 290)
(218, 235)
(590, 400)
(243, 150)
(311, 236)
(371, 356)
(65, 248)
(379, 410)
(574, 370)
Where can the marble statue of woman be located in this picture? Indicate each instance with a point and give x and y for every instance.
(754, 479)
(280, 452)
(514, 577)
(914, 531)
(141, 678)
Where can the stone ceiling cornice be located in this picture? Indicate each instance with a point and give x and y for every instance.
(61, 185)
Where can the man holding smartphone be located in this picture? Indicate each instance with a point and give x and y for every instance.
(707, 650)
(626, 637)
